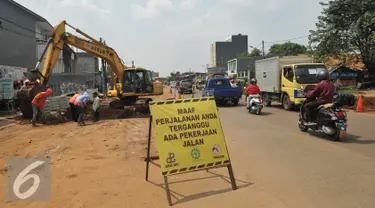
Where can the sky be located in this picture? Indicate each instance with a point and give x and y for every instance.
(175, 35)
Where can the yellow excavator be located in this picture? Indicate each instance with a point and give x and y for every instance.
(133, 83)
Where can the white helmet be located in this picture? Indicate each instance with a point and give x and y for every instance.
(253, 81)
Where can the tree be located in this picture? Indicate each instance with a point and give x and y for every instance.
(173, 76)
(346, 27)
(287, 49)
(255, 52)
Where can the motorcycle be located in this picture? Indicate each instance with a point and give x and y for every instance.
(330, 118)
(254, 104)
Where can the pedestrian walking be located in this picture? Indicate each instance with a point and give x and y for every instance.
(96, 107)
(38, 105)
(80, 104)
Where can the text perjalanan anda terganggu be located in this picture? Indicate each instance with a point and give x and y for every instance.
(198, 129)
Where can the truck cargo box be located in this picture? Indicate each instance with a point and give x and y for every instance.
(6, 89)
(268, 71)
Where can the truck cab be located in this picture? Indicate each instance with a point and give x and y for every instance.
(283, 79)
(294, 79)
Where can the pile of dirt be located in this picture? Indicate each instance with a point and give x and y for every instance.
(368, 102)
(108, 114)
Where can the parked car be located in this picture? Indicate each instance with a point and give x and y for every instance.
(185, 86)
(222, 91)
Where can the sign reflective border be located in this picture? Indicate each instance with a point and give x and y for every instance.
(188, 134)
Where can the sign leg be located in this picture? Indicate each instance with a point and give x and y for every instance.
(167, 191)
(148, 148)
(231, 175)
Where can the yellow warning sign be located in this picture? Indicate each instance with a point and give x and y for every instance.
(189, 136)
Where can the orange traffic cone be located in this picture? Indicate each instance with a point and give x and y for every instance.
(179, 96)
(360, 106)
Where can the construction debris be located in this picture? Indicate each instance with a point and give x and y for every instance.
(56, 103)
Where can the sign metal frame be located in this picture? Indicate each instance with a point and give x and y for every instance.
(148, 158)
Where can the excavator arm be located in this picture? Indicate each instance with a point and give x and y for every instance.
(60, 37)
(128, 90)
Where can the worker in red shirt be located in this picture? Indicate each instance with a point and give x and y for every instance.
(252, 90)
(38, 104)
(323, 91)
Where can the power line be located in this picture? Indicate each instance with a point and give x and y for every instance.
(279, 41)
(23, 27)
(256, 46)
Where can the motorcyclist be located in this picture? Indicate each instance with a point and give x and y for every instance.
(323, 91)
(252, 90)
(232, 83)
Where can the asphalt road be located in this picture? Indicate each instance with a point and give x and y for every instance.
(301, 169)
(284, 167)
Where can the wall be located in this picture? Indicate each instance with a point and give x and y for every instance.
(86, 63)
(17, 44)
(15, 73)
(230, 49)
(213, 54)
(41, 33)
(59, 66)
(69, 60)
(67, 82)
(212, 70)
(243, 65)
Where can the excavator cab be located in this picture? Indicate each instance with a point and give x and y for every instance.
(138, 81)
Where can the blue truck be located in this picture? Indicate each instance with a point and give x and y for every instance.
(222, 91)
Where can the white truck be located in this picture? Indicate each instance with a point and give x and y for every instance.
(283, 79)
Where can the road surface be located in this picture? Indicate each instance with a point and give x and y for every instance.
(277, 165)
(297, 169)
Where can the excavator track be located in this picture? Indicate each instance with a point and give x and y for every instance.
(139, 106)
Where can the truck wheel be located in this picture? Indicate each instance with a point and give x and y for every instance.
(287, 104)
(266, 99)
(235, 101)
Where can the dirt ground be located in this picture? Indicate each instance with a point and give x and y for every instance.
(368, 104)
(98, 165)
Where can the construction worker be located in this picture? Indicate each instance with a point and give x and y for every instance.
(80, 104)
(96, 107)
(73, 108)
(38, 104)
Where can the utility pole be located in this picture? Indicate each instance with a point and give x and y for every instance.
(263, 49)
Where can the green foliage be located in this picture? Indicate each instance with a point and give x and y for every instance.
(346, 26)
(287, 49)
(255, 52)
(173, 76)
